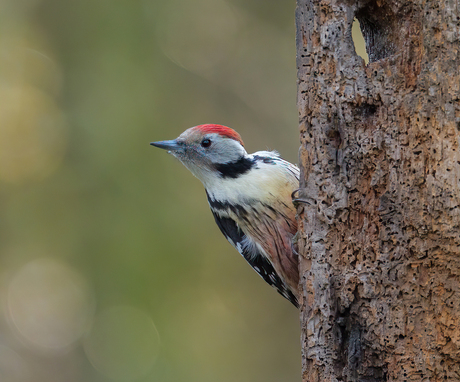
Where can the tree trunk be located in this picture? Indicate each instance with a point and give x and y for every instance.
(379, 199)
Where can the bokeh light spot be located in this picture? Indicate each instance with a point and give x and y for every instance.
(123, 343)
(33, 129)
(50, 304)
(32, 134)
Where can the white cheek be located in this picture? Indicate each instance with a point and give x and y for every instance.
(225, 151)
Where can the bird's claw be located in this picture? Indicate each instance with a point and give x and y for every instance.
(296, 201)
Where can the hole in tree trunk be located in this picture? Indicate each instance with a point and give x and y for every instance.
(380, 29)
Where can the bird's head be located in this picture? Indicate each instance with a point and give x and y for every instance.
(206, 149)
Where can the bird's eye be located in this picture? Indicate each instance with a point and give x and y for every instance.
(206, 143)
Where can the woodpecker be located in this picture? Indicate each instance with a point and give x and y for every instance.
(250, 198)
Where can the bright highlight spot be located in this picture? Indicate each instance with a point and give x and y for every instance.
(123, 343)
(49, 304)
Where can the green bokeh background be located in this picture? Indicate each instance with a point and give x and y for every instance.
(112, 267)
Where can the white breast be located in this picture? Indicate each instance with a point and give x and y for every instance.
(265, 181)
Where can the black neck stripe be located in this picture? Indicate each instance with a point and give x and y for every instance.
(236, 168)
(217, 205)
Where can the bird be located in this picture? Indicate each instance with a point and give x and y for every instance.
(250, 199)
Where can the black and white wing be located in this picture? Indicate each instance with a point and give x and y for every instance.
(253, 256)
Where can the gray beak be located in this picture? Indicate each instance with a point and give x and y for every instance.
(168, 145)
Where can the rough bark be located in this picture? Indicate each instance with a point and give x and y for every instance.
(379, 200)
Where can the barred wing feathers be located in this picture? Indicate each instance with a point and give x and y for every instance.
(257, 261)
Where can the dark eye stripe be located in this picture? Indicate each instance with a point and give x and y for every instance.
(206, 142)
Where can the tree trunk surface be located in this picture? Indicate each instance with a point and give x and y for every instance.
(379, 198)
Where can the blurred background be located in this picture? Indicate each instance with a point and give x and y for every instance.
(111, 265)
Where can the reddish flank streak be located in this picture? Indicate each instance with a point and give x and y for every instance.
(221, 130)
